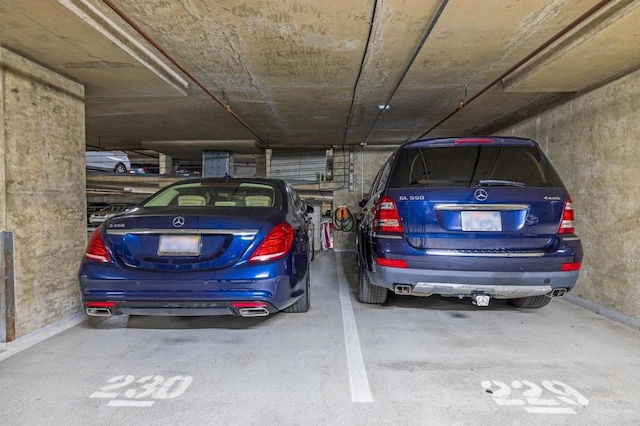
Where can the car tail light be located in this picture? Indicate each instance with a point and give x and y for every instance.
(248, 304)
(573, 266)
(386, 217)
(95, 248)
(275, 245)
(100, 304)
(566, 223)
(394, 263)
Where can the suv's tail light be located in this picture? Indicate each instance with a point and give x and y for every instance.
(275, 245)
(95, 248)
(386, 217)
(566, 222)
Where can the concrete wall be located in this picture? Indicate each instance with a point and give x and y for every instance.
(42, 188)
(594, 142)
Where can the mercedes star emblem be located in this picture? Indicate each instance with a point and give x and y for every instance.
(481, 195)
(178, 221)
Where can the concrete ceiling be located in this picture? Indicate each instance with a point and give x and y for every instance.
(309, 74)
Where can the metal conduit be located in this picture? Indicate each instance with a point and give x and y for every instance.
(358, 77)
(175, 62)
(417, 50)
(526, 59)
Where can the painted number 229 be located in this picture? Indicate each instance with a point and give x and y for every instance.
(532, 396)
(138, 392)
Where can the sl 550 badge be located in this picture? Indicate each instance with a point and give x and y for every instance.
(411, 198)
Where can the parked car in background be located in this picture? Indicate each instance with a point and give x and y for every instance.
(99, 216)
(202, 247)
(93, 206)
(468, 217)
(107, 161)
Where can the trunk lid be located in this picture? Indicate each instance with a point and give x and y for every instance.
(166, 238)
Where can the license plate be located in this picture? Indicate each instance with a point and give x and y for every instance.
(481, 221)
(179, 245)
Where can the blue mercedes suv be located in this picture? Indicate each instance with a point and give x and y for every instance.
(468, 217)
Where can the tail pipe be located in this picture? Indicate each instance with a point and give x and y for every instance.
(402, 289)
(98, 312)
(253, 312)
(558, 292)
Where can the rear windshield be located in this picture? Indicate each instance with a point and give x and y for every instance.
(218, 194)
(468, 166)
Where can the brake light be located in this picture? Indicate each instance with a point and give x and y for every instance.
(386, 217)
(473, 140)
(566, 222)
(275, 245)
(573, 266)
(394, 263)
(95, 248)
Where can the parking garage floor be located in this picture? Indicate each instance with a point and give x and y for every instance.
(412, 361)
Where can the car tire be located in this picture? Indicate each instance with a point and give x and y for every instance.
(120, 168)
(530, 302)
(369, 293)
(303, 304)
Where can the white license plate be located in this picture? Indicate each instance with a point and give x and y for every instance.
(481, 221)
(179, 245)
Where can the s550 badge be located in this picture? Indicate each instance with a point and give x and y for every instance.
(117, 225)
(411, 198)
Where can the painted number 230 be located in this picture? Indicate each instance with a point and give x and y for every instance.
(149, 387)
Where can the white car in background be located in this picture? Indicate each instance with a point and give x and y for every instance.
(97, 217)
(108, 161)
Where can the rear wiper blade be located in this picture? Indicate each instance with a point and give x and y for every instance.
(497, 182)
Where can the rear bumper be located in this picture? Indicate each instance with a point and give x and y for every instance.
(186, 297)
(176, 308)
(499, 285)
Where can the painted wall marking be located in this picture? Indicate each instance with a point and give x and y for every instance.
(531, 396)
(142, 392)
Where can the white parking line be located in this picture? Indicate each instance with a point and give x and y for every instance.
(121, 403)
(359, 382)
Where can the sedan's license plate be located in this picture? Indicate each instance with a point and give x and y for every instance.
(179, 245)
(481, 221)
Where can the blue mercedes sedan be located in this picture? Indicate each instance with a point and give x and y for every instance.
(203, 247)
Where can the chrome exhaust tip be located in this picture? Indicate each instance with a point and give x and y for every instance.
(558, 292)
(402, 289)
(481, 300)
(253, 312)
(98, 312)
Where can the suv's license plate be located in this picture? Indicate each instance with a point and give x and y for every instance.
(481, 221)
(179, 245)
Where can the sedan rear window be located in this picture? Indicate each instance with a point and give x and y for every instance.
(468, 166)
(220, 194)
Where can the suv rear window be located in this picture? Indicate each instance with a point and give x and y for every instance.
(468, 166)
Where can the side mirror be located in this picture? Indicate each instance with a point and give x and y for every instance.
(309, 208)
(363, 202)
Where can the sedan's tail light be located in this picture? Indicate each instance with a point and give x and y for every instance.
(96, 250)
(386, 217)
(566, 223)
(275, 245)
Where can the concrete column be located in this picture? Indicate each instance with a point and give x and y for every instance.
(42, 188)
(166, 164)
(261, 165)
(267, 162)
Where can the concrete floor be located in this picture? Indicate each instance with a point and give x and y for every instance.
(413, 361)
